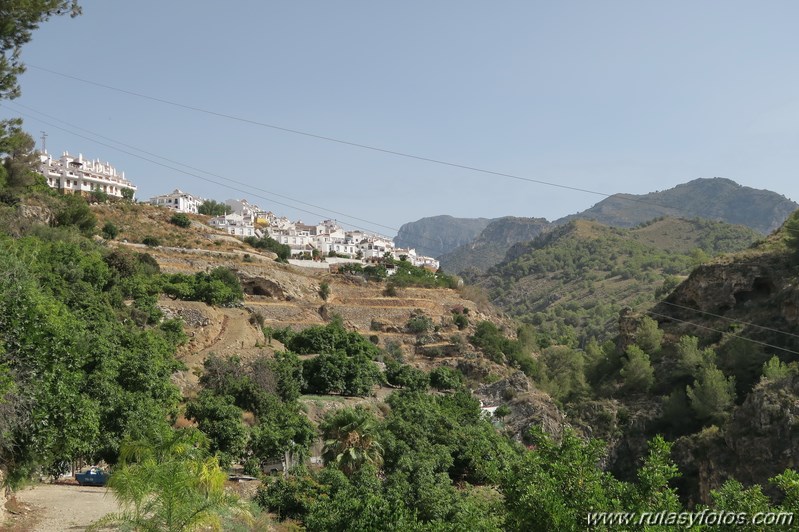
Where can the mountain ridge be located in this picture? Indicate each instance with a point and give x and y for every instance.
(717, 198)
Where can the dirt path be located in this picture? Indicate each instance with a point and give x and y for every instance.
(60, 507)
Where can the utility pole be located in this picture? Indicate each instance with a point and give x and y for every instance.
(44, 142)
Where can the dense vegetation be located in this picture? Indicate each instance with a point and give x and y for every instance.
(84, 369)
(87, 357)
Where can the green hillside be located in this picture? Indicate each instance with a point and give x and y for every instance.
(572, 282)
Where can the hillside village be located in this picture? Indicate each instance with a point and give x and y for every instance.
(325, 243)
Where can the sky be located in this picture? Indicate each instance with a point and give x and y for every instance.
(609, 96)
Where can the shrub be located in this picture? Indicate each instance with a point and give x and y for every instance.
(180, 219)
(419, 323)
(444, 378)
(324, 290)
(390, 291)
(110, 231)
(151, 241)
(502, 411)
(461, 321)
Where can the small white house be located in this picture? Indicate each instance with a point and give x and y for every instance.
(179, 201)
(234, 224)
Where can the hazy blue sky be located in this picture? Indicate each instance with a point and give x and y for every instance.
(610, 96)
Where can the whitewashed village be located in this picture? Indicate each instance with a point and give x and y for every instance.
(322, 245)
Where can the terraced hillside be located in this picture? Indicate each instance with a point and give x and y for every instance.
(280, 295)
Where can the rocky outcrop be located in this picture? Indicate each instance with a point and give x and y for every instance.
(436, 235)
(36, 214)
(764, 431)
(760, 441)
(260, 286)
(528, 406)
(759, 289)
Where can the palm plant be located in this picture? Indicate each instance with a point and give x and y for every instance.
(170, 483)
(351, 440)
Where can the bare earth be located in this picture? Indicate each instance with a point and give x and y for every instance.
(61, 507)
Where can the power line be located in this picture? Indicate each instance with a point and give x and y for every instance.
(723, 332)
(323, 137)
(376, 224)
(180, 170)
(317, 214)
(731, 319)
(625, 197)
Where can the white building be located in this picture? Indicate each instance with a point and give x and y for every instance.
(235, 224)
(244, 208)
(179, 201)
(75, 175)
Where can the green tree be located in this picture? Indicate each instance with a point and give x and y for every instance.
(791, 230)
(444, 378)
(691, 358)
(18, 155)
(76, 212)
(648, 336)
(406, 376)
(563, 372)
(555, 486)
(351, 439)
(732, 497)
(712, 395)
(339, 372)
(220, 420)
(636, 371)
(775, 370)
(214, 208)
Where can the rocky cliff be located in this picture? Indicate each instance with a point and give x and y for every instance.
(437, 235)
(491, 245)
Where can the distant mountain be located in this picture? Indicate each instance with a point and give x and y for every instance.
(572, 281)
(435, 235)
(713, 199)
(492, 243)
